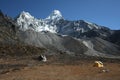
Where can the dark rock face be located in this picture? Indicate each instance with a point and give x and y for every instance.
(115, 37)
(8, 29)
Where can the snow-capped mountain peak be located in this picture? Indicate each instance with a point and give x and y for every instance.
(24, 20)
(55, 15)
(25, 15)
(27, 22)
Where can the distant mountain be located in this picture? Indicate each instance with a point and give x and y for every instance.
(72, 37)
(58, 36)
(55, 23)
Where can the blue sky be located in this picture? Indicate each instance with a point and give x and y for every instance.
(102, 12)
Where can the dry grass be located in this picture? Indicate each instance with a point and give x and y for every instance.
(59, 71)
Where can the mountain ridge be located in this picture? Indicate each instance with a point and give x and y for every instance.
(55, 23)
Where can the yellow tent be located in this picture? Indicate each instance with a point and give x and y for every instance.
(98, 64)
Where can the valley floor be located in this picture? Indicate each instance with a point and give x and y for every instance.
(81, 70)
